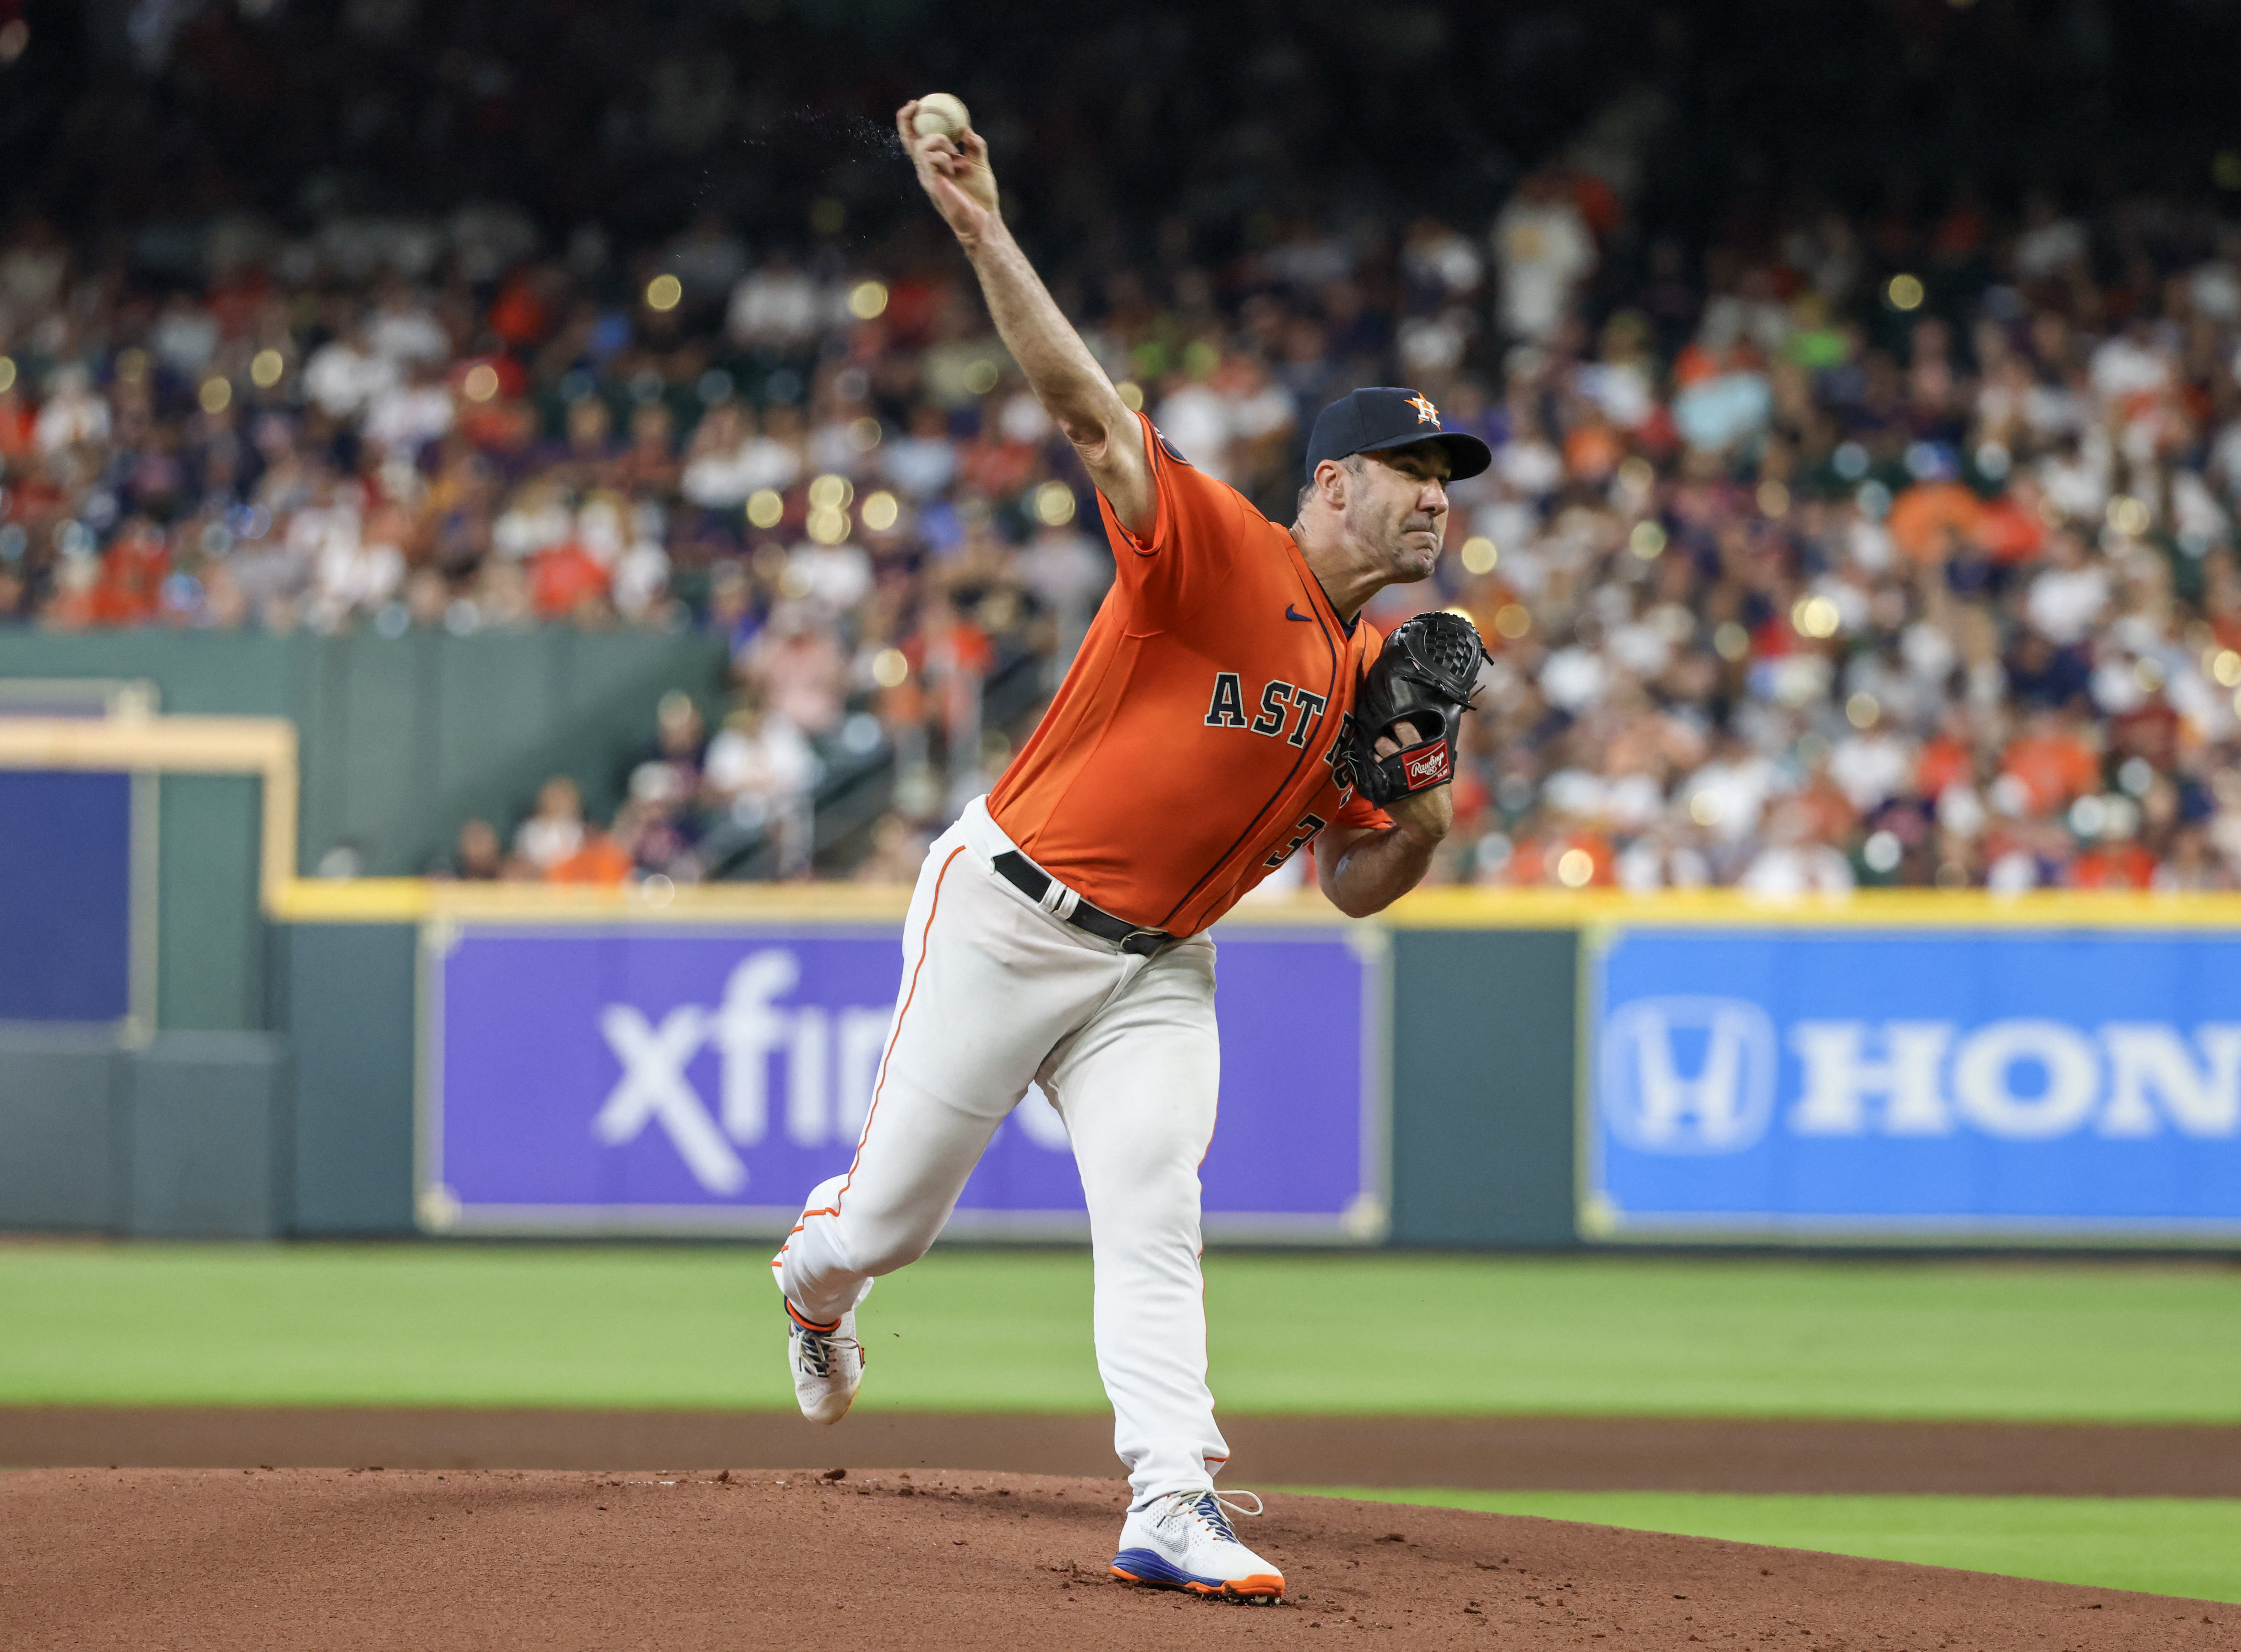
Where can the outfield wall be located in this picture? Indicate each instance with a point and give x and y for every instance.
(1486, 1071)
(1467, 1101)
(229, 1047)
(149, 1000)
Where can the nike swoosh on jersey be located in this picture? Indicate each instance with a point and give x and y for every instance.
(1303, 618)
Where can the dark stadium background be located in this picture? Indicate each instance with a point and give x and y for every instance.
(1108, 120)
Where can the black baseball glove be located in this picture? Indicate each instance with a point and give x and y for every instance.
(1426, 676)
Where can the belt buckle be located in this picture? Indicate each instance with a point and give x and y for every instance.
(1153, 940)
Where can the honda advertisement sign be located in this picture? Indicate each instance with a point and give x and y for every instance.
(640, 1080)
(1831, 1083)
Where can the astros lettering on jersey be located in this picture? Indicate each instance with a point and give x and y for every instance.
(1216, 653)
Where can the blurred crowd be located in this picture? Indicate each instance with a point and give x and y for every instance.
(1887, 547)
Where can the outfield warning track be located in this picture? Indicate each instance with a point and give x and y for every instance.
(1553, 1454)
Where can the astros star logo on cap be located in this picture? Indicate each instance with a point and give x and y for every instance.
(1379, 418)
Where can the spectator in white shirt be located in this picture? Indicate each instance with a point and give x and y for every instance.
(1195, 418)
(403, 330)
(342, 376)
(1544, 252)
(834, 578)
(1872, 766)
(403, 418)
(73, 413)
(714, 478)
(2064, 601)
(924, 462)
(556, 830)
(775, 307)
(1726, 795)
(772, 456)
(1794, 862)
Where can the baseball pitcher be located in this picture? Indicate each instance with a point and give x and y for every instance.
(1228, 710)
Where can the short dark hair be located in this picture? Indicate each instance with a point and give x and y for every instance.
(1352, 462)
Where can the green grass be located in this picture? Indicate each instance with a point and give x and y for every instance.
(2163, 1545)
(1003, 1330)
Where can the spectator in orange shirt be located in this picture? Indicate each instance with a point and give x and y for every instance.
(1930, 518)
(598, 860)
(19, 422)
(2010, 530)
(1946, 759)
(564, 578)
(2118, 864)
(2053, 761)
(1592, 449)
(132, 572)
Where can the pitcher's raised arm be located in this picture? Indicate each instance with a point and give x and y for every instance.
(1063, 376)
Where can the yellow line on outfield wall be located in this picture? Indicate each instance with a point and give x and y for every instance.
(367, 900)
(415, 900)
(392, 900)
(1450, 908)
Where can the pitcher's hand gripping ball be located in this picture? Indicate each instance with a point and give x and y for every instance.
(942, 112)
(1427, 677)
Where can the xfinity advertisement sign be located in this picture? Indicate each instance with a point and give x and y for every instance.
(1829, 1083)
(609, 1079)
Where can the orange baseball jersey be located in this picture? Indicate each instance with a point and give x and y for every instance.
(1198, 741)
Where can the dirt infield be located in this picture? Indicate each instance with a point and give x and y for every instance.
(339, 1559)
(1515, 1454)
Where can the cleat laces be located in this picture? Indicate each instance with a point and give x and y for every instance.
(1211, 1509)
(817, 1349)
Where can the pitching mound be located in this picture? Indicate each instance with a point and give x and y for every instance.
(331, 1558)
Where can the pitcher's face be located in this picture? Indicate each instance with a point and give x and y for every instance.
(1397, 507)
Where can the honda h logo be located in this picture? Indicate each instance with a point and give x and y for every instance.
(1687, 1074)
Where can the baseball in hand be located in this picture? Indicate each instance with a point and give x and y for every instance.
(941, 112)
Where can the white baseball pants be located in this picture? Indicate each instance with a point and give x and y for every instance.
(997, 992)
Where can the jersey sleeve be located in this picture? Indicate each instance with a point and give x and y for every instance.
(1358, 812)
(1196, 524)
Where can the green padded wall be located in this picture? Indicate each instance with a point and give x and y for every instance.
(210, 938)
(345, 995)
(404, 737)
(234, 673)
(210, 1137)
(65, 1135)
(186, 1138)
(1484, 1056)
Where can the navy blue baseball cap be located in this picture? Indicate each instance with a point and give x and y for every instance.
(1369, 421)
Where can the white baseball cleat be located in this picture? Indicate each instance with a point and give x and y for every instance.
(1183, 1540)
(827, 1361)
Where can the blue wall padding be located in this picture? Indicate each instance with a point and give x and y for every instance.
(65, 896)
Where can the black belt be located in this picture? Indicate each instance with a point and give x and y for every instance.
(1033, 882)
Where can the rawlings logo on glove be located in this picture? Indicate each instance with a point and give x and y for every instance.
(1426, 677)
(1429, 769)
